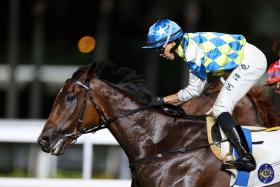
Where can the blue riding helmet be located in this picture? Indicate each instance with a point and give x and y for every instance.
(163, 32)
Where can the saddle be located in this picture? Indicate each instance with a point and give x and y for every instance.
(214, 134)
(265, 148)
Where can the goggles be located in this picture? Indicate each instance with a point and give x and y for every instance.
(160, 50)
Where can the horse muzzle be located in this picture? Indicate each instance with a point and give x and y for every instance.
(55, 148)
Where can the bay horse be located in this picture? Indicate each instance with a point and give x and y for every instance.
(163, 151)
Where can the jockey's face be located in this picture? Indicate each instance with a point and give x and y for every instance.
(167, 54)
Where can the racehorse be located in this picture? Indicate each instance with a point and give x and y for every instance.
(162, 150)
(254, 109)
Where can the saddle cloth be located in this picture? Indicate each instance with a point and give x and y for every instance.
(265, 144)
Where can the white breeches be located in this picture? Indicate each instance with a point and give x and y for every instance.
(241, 80)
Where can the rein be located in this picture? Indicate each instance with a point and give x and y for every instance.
(103, 123)
(100, 125)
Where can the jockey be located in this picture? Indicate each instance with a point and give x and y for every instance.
(211, 53)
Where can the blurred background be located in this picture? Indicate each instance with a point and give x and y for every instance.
(39, 51)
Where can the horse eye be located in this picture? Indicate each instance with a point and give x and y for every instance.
(70, 97)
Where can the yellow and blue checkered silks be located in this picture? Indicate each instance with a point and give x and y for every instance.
(223, 52)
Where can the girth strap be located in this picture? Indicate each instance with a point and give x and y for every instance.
(179, 150)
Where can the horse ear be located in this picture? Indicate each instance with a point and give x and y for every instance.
(90, 72)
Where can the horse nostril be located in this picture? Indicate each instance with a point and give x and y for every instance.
(44, 140)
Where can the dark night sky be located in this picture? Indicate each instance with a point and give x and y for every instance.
(126, 25)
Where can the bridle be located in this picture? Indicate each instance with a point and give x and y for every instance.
(94, 127)
(103, 122)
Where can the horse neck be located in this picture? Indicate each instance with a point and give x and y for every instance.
(146, 132)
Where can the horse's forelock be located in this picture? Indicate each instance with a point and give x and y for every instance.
(91, 71)
(82, 70)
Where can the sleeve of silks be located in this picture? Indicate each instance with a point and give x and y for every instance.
(194, 58)
(194, 89)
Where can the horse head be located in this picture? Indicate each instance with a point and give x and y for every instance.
(70, 114)
(86, 104)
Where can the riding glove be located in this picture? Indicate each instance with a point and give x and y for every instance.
(157, 101)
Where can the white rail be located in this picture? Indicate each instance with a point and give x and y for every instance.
(22, 182)
(48, 73)
(27, 131)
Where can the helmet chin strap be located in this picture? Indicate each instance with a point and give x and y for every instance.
(169, 34)
(173, 49)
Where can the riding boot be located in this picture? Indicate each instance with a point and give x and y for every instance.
(246, 161)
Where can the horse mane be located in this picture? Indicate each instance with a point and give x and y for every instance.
(265, 106)
(124, 78)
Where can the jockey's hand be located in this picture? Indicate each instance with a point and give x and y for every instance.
(172, 99)
(157, 101)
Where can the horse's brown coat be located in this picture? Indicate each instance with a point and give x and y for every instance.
(140, 135)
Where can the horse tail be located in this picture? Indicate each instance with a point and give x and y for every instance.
(264, 106)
